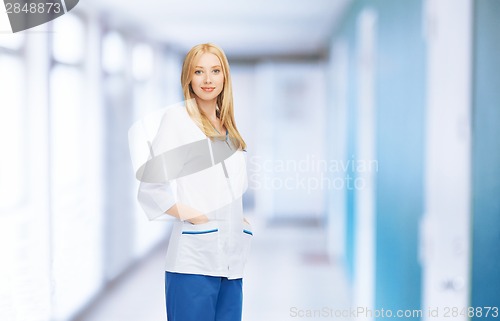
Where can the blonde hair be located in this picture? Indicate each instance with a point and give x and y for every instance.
(225, 108)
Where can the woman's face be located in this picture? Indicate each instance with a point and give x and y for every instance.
(208, 79)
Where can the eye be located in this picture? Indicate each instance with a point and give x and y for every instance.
(198, 72)
(216, 71)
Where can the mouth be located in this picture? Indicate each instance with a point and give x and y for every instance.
(208, 89)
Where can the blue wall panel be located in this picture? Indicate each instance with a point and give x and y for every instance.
(400, 106)
(347, 32)
(486, 157)
(351, 150)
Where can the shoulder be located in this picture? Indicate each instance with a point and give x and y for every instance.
(176, 129)
(172, 115)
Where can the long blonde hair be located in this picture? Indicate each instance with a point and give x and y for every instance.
(225, 110)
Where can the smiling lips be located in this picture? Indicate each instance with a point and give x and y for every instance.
(208, 89)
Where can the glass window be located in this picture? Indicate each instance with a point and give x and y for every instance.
(75, 155)
(69, 39)
(67, 137)
(12, 41)
(12, 131)
(114, 53)
(142, 62)
(24, 241)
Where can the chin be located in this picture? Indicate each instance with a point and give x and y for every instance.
(207, 97)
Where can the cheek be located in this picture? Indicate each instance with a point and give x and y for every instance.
(220, 83)
(220, 80)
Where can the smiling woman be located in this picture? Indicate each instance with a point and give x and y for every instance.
(210, 238)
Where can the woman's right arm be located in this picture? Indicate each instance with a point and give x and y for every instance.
(186, 213)
(158, 200)
(159, 203)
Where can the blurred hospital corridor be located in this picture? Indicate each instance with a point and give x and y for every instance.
(372, 156)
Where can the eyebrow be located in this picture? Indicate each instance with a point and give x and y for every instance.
(212, 67)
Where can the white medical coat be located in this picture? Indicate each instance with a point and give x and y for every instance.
(209, 175)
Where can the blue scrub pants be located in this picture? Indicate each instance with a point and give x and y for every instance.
(193, 297)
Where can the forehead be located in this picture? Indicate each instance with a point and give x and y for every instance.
(207, 59)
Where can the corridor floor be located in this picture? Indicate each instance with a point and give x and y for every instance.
(288, 277)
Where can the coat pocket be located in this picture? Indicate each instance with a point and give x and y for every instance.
(199, 246)
(201, 232)
(247, 240)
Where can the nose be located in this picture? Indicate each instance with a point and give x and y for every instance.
(208, 80)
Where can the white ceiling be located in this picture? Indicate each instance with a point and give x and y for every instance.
(244, 29)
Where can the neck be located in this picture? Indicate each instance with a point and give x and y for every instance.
(208, 108)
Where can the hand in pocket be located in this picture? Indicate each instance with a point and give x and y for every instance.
(198, 219)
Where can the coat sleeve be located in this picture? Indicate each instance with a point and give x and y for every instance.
(156, 198)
